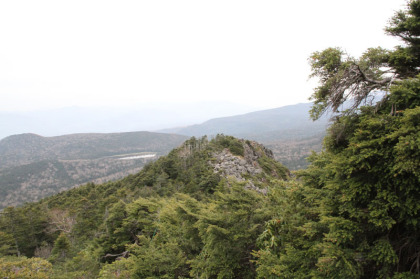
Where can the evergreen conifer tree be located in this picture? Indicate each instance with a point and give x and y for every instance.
(358, 206)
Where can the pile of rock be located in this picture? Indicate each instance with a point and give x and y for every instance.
(234, 166)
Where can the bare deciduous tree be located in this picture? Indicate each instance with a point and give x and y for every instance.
(61, 220)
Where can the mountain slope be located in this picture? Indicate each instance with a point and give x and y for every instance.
(287, 122)
(27, 148)
(287, 131)
(203, 198)
(32, 167)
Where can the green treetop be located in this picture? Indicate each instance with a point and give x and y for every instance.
(343, 77)
(355, 213)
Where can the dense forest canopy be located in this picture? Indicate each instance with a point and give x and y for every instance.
(187, 214)
(355, 212)
(225, 209)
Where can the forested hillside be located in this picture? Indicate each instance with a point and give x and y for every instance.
(225, 209)
(28, 148)
(198, 210)
(33, 167)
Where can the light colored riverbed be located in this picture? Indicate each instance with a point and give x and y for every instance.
(138, 157)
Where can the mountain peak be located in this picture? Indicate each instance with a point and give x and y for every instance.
(200, 164)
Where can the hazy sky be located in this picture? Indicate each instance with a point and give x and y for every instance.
(118, 53)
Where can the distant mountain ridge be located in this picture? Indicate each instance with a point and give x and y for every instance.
(138, 117)
(284, 122)
(287, 131)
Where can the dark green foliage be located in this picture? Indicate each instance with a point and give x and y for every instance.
(405, 94)
(23, 230)
(355, 212)
(61, 248)
(235, 146)
(345, 78)
(275, 169)
(229, 228)
(157, 223)
(406, 26)
(7, 243)
(173, 241)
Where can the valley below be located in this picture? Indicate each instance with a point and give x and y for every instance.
(34, 167)
(37, 180)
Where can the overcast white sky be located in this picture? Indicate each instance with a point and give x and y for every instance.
(119, 53)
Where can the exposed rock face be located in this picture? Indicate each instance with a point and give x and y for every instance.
(236, 167)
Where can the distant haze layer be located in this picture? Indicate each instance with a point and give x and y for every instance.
(108, 120)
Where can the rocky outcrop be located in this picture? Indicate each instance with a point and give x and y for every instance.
(235, 166)
(243, 168)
